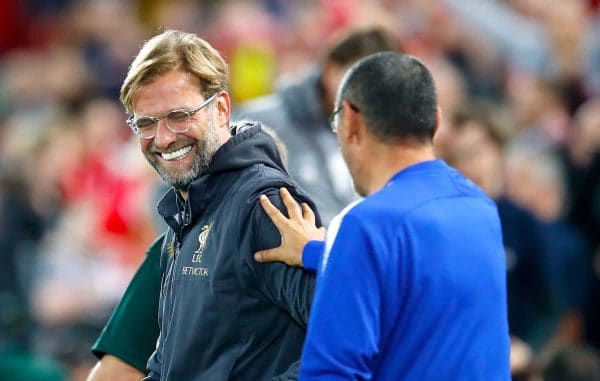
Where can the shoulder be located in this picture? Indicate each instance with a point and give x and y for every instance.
(254, 181)
(260, 177)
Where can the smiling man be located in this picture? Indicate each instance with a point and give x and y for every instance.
(221, 315)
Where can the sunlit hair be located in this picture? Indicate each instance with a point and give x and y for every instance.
(174, 49)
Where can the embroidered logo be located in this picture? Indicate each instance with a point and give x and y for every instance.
(201, 242)
(171, 249)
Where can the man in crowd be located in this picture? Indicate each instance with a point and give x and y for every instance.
(298, 113)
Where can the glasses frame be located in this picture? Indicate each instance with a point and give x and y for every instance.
(132, 120)
(333, 117)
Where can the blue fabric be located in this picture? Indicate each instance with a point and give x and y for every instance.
(311, 255)
(412, 286)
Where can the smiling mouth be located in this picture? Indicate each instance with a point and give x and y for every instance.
(176, 155)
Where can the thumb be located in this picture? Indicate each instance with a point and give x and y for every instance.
(265, 256)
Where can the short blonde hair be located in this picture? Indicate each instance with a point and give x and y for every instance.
(174, 49)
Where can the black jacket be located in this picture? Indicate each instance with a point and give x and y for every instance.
(224, 316)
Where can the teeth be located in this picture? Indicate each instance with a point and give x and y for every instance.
(176, 154)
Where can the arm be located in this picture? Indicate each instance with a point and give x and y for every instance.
(296, 231)
(312, 255)
(291, 288)
(111, 368)
(343, 332)
(291, 374)
(154, 363)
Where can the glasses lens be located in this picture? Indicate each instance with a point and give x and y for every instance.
(144, 127)
(178, 121)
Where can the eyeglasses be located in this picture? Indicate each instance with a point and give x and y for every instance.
(334, 116)
(333, 119)
(177, 121)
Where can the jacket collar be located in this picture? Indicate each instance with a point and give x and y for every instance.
(248, 147)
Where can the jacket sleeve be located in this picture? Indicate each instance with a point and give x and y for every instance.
(312, 255)
(291, 374)
(350, 281)
(291, 288)
(154, 363)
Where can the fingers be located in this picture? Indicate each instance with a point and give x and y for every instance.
(293, 209)
(308, 214)
(321, 233)
(274, 214)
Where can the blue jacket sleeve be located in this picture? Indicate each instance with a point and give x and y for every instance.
(344, 330)
(312, 255)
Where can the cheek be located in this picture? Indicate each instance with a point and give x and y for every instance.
(145, 144)
(196, 132)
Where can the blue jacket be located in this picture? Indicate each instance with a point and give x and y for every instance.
(224, 316)
(411, 285)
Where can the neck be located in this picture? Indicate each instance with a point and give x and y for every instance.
(387, 160)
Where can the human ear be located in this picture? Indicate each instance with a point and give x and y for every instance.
(353, 123)
(438, 120)
(223, 107)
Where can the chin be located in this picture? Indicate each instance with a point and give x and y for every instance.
(178, 181)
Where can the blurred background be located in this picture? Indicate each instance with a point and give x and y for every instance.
(519, 86)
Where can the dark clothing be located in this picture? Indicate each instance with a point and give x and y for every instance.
(529, 299)
(132, 329)
(224, 316)
(569, 265)
(20, 230)
(584, 213)
(584, 193)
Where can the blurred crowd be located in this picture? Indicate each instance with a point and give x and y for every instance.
(519, 86)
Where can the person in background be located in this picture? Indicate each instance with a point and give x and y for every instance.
(582, 159)
(298, 113)
(535, 179)
(480, 134)
(548, 278)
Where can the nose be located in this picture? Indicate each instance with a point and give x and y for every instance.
(163, 137)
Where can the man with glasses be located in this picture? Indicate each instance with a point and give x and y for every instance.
(297, 112)
(411, 279)
(221, 315)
